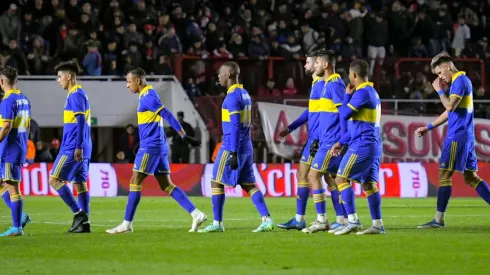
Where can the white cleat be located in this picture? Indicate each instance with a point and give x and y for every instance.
(338, 228)
(120, 229)
(349, 228)
(316, 226)
(198, 221)
(373, 231)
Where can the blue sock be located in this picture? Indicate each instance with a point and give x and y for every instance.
(348, 197)
(180, 196)
(5, 195)
(302, 197)
(374, 200)
(218, 199)
(319, 199)
(133, 201)
(17, 204)
(443, 194)
(83, 197)
(344, 212)
(334, 195)
(67, 196)
(483, 190)
(259, 201)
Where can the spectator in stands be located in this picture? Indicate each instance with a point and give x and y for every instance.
(10, 25)
(35, 131)
(71, 44)
(461, 35)
(19, 56)
(111, 59)
(37, 58)
(55, 147)
(258, 48)
(425, 28)
(162, 67)
(192, 89)
(132, 36)
(135, 55)
(236, 47)
(197, 49)
(290, 89)
(222, 52)
(128, 142)
(170, 42)
(350, 51)
(269, 90)
(121, 158)
(42, 153)
(291, 49)
(418, 49)
(377, 39)
(180, 149)
(92, 62)
(310, 37)
(482, 110)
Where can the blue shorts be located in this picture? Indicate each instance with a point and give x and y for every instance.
(223, 174)
(151, 163)
(306, 158)
(11, 171)
(66, 168)
(361, 169)
(458, 156)
(324, 161)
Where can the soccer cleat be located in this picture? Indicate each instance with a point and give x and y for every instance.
(316, 226)
(198, 221)
(336, 227)
(13, 232)
(120, 229)
(373, 230)
(432, 224)
(25, 219)
(84, 228)
(292, 224)
(78, 220)
(265, 227)
(349, 228)
(212, 228)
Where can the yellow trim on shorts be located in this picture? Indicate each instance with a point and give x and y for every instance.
(348, 167)
(58, 167)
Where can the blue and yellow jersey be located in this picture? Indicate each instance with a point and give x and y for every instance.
(15, 107)
(331, 98)
(314, 108)
(460, 121)
(150, 122)
(76, 104)
(364, 125)
(236, 116)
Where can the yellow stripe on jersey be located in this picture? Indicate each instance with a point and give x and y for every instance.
(466, 101)
(322, 105)
(456, 75)
(225, 115)
(11, 91)
(364, 85)
(233, 87)
(148, 117)
(366, 115)
(333, 77)
(315, 80)
(69, 116)
(21, 122)
(145, 90)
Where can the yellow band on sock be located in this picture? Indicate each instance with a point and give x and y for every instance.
(217, 191)
(169, 188)
(332, 188)
(475, 184)
(372, 191)
(3, 190)
(57, 185)
(81, 188)
(14, 198)
(253, 191)
(343, 186)
(135, 187)
(319, 197)
(445, 182)
(303, 184)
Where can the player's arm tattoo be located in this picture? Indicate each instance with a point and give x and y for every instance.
(451, 102)
(440, 119)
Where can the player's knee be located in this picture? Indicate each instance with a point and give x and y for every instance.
(12, 187)
(137, 178)
(313, 176)
(339, 180)
(471, 178)
(217, 185)
(81, 187)
(56, 183)
(445, 175)
(369, 186)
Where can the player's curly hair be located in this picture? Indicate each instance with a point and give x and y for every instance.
(439, 59)
(10, 73)
(68, 66)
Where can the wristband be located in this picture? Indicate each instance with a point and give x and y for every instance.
(440, 92)
(430, 126)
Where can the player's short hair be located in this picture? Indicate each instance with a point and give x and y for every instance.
(68, 66)
(10, 73)
(138, 72)
(235, 69)
(329, 56)
(360, 67)
(312, 54)
(440, 59)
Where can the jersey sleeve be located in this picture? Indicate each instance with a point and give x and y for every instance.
(337, 94)
(458, 88)
(77, 103)
(153, 104)
(234, 109)
(7, 110)
(358, 100)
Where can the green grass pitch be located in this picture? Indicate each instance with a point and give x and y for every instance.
(162, 245)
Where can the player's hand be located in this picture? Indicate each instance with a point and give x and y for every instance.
(314, 147)
(233, 161)
(284, 132)
(191, 141)
(336, 149)
(439, 84)
(422, 131)
(350, 89)
(78, 155)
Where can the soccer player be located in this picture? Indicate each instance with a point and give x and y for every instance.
(311, 115)
(234, 163)
(330, 130)
(72, 163)
(362, 109)
(152, 156)
(15, 111)
(458, 152)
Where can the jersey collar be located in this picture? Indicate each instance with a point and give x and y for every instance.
(456, 75)
(315, 79)
(364, 84)
(145, 89)
(331, 77)
(74, 88)
(11, 91)
(233, 87)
